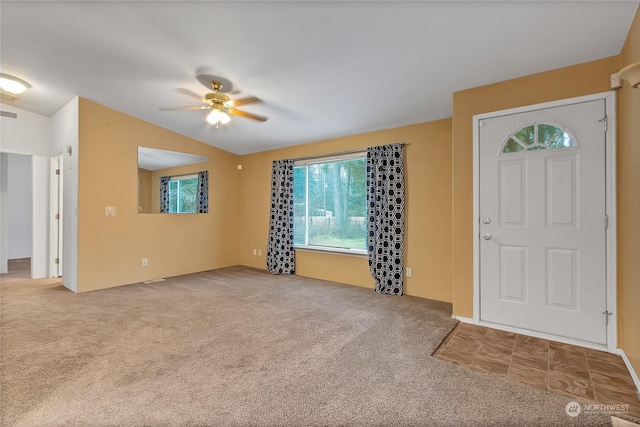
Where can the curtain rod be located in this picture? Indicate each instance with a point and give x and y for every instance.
(339, 153)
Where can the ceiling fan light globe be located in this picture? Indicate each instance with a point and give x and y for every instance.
(218, 117)
(213, 117)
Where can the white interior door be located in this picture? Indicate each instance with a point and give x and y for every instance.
(542, 206)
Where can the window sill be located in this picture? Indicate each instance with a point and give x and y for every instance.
(352, 252)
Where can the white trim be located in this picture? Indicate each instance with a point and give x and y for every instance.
(39, 217)
(55, 236)
(182, 177)
(611, 238)
(610, 206)
(464, 319)
(329, 249)
(619, 422)
(360, 154)
(476, 219)
(634, 375)
(532, 333)
(545, 336)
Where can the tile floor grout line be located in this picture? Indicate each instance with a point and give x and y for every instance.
(549, 368)
(474, 355)
(595, 393)
(511, 358)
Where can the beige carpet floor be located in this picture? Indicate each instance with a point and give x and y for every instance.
(18, 269)
(241, 347)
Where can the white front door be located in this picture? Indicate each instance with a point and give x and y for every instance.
(542, 207)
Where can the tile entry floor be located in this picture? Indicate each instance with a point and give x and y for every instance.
(589, 376)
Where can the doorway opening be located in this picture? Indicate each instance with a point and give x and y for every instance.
(17, 215)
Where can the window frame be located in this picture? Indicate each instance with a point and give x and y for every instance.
(178, 178)
(357, 155)
(536, 145)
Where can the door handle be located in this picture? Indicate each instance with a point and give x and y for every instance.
(486, 236)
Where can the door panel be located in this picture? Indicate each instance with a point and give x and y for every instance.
(513, 277)
(562, 279)
(513, 190)
(561, 191)
(543, 250)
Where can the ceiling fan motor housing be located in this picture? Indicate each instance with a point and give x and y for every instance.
(216, 98)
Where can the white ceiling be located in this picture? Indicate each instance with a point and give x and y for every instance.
(153, 159)
(323, 69)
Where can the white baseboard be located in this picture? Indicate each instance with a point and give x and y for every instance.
(634, 375)
(619, 422)
(463, 319)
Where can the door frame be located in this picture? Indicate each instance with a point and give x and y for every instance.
(610, 205)
(55, 225)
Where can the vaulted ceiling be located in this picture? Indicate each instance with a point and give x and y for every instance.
(322, 69)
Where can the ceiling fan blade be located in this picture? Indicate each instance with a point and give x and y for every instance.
(188, 93)
(199, 107)
(248, 115)
(244, 101)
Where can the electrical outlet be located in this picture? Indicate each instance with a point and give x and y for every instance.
(259, 252)
(110, 211)
(409, 272)
(145, 262)
(255, 251)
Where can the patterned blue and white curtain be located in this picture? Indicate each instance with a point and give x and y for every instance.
(203, 191)
(281, 258)
(164, 194)
(385, 213)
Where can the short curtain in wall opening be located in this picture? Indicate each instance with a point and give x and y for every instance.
(385, 217)
(280, 249)
(185, 194)
(164, 194)
(203, 192)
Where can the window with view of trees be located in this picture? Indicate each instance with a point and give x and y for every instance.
(330, 204)
(183, 194)
(538, 137)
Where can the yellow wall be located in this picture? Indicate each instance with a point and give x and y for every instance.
(577, 80)
(629, 204)
(428, 209)
(110, 249)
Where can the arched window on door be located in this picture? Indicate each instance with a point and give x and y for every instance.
(538, 136)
